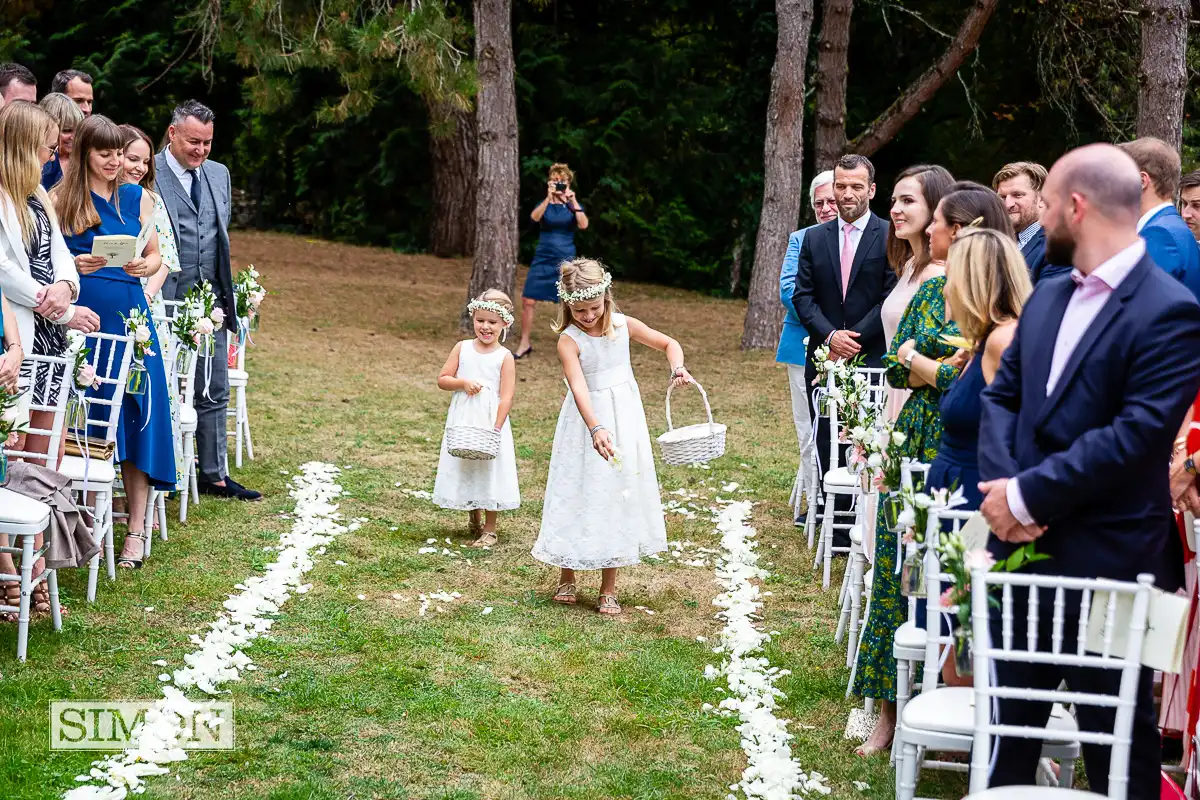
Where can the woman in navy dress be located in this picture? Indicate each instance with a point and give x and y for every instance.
(557, 216)
(91, 200)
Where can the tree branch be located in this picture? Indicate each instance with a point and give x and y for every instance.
(906, 106)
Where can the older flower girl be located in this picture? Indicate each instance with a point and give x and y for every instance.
(482, 375)
(602, 508)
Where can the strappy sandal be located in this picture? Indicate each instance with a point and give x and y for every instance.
(609, 605)
(133, 563)
(565, 594)
(486, 539)
(12, 597)
(40, 601)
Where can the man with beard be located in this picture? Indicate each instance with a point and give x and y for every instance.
(791, 341)
(1168, 240)
(1019, 185)
(1189, 202)
(1076, 430)
(842, 278)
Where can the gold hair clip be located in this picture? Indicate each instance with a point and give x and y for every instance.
(975, 223)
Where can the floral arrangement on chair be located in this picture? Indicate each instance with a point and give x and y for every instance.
(8, 426)
(198, 317)
(248, 295)
(137, 325)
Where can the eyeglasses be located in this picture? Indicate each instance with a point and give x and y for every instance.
(823, 203)
(53, 149)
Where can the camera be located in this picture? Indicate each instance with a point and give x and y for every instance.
(559, 186)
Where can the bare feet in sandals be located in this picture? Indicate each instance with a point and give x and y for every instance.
(609, 605)
(486, 539)
(565, 594)
(880, 739)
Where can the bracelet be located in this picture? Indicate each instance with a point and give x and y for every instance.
(592, 432)
(577, 210)
(676, 370)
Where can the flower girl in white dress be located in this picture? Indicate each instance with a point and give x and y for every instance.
(602, 508)
(483, 377)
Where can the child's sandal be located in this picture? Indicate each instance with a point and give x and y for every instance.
(609, 605)
(565, 594)
(486, 539)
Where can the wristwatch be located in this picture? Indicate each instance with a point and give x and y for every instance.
(1189, 466)
(909, 359)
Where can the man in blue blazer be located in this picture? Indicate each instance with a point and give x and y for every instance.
(1019, 186)
(1076, 435)
(791, 341)
(1168, 240)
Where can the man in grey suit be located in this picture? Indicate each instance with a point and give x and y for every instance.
(196, 192)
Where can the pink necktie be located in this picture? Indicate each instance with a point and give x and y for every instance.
(847, 257)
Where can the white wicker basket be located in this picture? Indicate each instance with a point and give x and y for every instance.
(473, 444)
(695, 443)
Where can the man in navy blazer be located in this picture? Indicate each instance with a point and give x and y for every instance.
(1168, 239)
(1019, 186)
(1076, 434)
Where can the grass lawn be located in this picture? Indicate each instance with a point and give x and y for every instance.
(366, 699)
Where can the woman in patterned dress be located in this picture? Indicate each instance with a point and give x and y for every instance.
(921, 332)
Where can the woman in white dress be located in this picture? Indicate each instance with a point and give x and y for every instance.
(483, 377)
(918, 191)
(602, 508)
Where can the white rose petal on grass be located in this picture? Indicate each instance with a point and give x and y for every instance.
(158, 663)
(164, 677)
(862, 786)
(362, 597)
(340, 563)
(486, 610)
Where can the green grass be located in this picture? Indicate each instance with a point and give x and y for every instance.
(365, 699)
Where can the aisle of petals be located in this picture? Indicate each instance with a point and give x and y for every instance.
(771, 772)
(218, 657)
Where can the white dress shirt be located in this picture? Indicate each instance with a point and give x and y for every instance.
(1031, 231)
(1146, 217)
(860, 225)
(181, 172)
(1090, 295)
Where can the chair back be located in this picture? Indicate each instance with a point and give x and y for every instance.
(911, 473)
(55, 374)
(1125, 608)
(877, 389)
(112, 370)
(938, 634)
(241, 339)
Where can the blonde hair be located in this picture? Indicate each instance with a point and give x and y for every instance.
(987, 282)
(73, 194)
(62, 110)
(498, 297)
(23, 131)
(578, 274)
(561, 170)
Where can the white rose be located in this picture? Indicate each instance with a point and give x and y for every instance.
(142, 334)
(922, 500)
(204, 326)
(875, 461)
(218, 316)
(9, 415)
(898, 438)
(828, 365)
(906, 518)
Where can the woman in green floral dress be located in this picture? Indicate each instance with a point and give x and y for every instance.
(922, 329)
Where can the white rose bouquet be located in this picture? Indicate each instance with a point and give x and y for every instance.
(248, 294)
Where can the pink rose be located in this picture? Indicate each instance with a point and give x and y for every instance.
(204, 326)
(979, 559)
(87, 376)
(218, 316)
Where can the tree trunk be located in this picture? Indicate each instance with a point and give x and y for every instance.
(452, 150)
(783, 186)
(1162, 78)
(497, 178)
(888, 124)
(833, 48)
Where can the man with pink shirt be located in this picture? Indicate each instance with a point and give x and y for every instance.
(1074, 438)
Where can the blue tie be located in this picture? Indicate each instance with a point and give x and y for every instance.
(195, 188)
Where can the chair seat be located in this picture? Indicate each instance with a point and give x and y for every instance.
(951, 710)
(20, 514)
(238, 377)
(98, 472)
(187, 419)
(909, 642)
(840, 478)
(1034, 793)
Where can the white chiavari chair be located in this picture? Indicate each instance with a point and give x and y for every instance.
(908, 643)
(942, 718)
(1107, 595)
(239, 409)
(185, 387)
(93, 476)
(24, 518)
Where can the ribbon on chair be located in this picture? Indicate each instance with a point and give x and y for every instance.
(84, 406)
(137, 362)
(208, 368)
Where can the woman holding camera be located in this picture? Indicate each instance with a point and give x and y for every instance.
(557, 216)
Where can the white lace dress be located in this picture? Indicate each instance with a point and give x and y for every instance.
(464, 485)
(598, 514)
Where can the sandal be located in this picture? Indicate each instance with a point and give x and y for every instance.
(12, 597)
(609, 605)
(486, 539)
(40, 601)
(133, 563)
(565, 594)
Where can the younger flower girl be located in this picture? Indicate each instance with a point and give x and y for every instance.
(483, 377)
(602, 508)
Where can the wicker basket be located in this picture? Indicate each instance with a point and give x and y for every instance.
(695, 443)
(473, 444)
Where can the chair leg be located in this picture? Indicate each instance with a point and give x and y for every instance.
(147, 522)
(906, 773)
(189, 470)
(903, 692)
(246, 414)
(856, 592)
(844, 605)
(93, 576)
(55, 611)
(828, 554)
(1066, 774)
(160, 508)
(26, 596)
(237, 430)
(110, 556)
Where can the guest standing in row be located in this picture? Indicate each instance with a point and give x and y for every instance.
(17, 83)
(1019, 186)
(68, 117)
(1189, 201)
(77, 85)
(792, 349)
(918, 191)
(138, 168)
(91, 202)
(197, 194)
(558, 217)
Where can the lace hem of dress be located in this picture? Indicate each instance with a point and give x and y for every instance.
(472, 505)
(591, 564)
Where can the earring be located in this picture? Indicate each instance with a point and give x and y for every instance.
(504, 335)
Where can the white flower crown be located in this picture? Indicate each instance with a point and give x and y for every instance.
(586, 293)
(493, 306)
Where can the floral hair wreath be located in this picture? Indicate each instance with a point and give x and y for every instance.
(586, 293)
(491, 305)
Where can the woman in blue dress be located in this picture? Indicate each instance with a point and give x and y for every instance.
(91, 200)
(557, 217)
